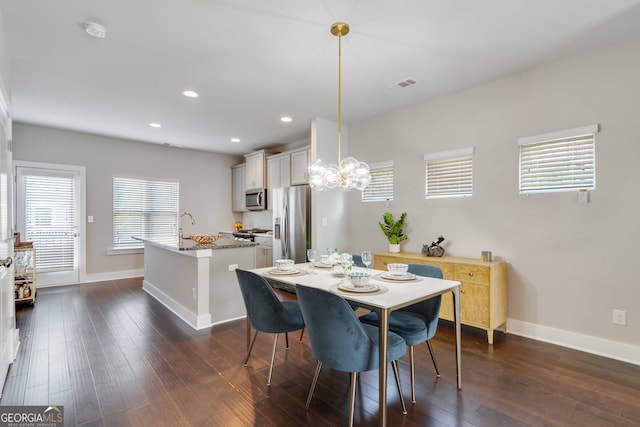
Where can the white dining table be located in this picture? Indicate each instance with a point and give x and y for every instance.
(392, 295)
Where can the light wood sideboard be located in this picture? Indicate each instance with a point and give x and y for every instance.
(483, 289)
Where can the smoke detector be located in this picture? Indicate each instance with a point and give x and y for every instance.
(95, 30)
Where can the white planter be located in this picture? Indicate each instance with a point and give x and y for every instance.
(394, 248)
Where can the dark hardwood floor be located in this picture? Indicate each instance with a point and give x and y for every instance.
(113, 356)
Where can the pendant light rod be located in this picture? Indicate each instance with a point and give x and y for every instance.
(340, 29)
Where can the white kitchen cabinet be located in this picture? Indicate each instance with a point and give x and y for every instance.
(279, 173)
(238, 188)
(264, 251)
(299, 166)
(256, 164)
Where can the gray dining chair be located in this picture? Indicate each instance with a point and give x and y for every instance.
(340, 341)
(267, 313)
(357, 261)
(416, 323)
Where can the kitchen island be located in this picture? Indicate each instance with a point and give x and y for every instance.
(198, 282)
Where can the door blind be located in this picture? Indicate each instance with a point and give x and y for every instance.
(50, 221)
(144, 208)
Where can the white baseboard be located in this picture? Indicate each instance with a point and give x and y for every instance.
(112, 275)
(100, 277)
(193, 320)
(600, 346)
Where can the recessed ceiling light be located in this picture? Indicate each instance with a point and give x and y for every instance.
(235, 139)
(95, 30)
(286, 119)
(155, 125)
(190, 94)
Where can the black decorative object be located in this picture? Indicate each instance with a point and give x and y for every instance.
(434, 249)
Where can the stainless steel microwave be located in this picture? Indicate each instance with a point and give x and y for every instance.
(256, 199)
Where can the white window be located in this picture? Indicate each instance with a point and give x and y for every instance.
(381, 186)
(558, 161)
(449, 173)
(144, 208)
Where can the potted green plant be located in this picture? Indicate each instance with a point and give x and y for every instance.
(393, 230)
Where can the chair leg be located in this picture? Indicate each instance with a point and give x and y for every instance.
(313, 384)
(301, 334)
(253, 341)
(413, 375)
(433, 358)
(352, 398)
(394, 364)
(286, 338)
(273, 358)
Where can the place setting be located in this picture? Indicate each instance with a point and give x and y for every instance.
(359, 282)
(398, 273)
(285, 267)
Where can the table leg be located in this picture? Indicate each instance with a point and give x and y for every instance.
(456, 315)
(383, 319)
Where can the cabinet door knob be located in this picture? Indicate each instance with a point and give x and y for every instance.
(471, 273)
(462, 291)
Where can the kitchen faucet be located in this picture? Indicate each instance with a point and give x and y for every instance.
(193, 221)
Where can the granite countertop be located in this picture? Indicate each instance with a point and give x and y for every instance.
(190, 245)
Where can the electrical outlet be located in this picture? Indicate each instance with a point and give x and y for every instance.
(620, 317)
(193, 293)
(232, 267)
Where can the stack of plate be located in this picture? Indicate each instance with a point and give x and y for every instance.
(399, 277)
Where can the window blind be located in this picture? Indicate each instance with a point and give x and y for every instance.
(564, 162)
(449, 174)
(50, 220)
(381, 186)
(144, 208)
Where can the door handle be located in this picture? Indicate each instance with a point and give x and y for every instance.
(6, 262)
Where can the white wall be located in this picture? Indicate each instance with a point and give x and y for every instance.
(205, 183)
(569, 264)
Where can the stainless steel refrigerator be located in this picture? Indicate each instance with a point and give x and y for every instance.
(291, 222)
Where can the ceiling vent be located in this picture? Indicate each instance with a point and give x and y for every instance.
(403, 84)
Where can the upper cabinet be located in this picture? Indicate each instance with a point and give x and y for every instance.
(255, 169)
(299, 166)
(238, 188)
(279, 173)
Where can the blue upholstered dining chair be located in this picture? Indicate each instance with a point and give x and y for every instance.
(266, 312)
(340, 341)
(357, 261)
(416, 323)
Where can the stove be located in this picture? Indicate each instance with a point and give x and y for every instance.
(248, 234)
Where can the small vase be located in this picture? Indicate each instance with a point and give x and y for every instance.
(394, 248)
(337, 271)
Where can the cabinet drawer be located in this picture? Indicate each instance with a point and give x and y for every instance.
(474, 305)
(471, 273)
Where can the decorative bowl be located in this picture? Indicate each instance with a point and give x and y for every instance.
(204, 239)
(284, 264)
(398, 269)
(359, 278)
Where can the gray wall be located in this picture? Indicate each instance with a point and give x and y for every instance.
(205, 182)
(4, 57)
(569, 264)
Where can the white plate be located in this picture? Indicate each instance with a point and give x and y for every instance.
(277, 272)
(321, 265)
(348, 286)
(389, 276)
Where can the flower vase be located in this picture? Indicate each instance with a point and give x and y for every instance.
(394, 248)
(337, 270)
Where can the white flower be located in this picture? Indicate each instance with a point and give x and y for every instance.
(343, 259)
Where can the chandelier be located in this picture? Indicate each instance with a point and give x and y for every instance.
(348, 173)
